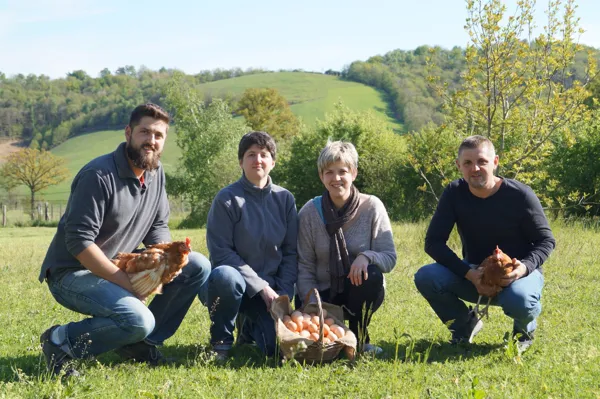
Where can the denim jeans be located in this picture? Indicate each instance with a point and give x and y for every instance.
(224, 296)
(444, 290)
(118, 317)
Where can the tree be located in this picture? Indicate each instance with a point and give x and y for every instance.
(267, 110)
(35, 169)
(208, 136)
(517, 91)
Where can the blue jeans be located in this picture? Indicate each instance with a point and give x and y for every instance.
(444, 290)
(118, 317)
(224, 296)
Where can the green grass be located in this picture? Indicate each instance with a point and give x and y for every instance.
(564, 362)
(312, 95)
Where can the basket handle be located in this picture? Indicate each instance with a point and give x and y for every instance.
(320, 307)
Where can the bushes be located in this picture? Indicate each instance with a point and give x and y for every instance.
(380, 157)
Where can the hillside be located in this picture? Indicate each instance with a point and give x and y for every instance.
(311, 95)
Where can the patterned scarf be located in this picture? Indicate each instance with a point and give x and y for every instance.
(339, 262)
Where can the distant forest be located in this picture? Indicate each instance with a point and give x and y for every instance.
(45, 112)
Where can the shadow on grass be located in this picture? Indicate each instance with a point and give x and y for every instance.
(425, 350)
(25, 367)
(15, 368)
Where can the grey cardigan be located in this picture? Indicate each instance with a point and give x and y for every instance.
(369, 233)
(255, 231)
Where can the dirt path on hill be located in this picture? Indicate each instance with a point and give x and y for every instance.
(9, 146)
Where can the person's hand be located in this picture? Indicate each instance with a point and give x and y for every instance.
(519, 271)
(474, 276)
(358, 268)
(268, 295)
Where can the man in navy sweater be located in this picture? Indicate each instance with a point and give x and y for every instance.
(488, 211)
(117, 202)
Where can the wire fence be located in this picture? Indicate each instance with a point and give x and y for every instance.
(17, 210)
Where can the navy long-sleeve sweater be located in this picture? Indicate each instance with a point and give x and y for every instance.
(512, 218)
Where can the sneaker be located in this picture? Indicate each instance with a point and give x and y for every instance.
(143, 353)
(460, 336)
(372, 349)
(524, 341)
(220, 353)
(56, 358)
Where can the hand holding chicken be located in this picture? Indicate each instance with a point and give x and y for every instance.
(495, 272)
(157, 265)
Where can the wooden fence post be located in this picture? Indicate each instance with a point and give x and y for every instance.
(3, 215)
(46, 215)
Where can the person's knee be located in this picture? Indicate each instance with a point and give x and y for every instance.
(136, 320)
(375, 277)
(227, 278)
(521, 304)
(424, 278)
(198, 269)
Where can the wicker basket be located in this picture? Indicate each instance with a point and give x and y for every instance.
(292, 345)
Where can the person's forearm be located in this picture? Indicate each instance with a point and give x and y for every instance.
(93, 259)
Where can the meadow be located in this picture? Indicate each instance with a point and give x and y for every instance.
(417, 362)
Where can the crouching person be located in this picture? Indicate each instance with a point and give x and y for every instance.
(251, 236)
(345, 243)
(489, 211)
(117, 202)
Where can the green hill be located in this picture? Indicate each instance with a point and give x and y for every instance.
(312, 96)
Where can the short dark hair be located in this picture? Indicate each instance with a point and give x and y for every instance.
(148, 109)
(474, 142)
(261, 139)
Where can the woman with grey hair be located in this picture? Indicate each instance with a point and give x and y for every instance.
(345, 242)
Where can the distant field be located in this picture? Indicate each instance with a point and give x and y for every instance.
(312, 96)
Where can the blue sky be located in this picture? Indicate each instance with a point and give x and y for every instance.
(55, 37)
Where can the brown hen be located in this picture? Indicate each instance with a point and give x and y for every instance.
(495, 267)
(155, 266)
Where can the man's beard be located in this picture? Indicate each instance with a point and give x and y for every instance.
(142, 160)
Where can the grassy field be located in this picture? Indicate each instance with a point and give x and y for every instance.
(312, 95)
(564, 362)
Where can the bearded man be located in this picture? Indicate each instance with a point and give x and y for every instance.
(117, 202)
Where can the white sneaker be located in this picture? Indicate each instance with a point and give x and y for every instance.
(372, 349)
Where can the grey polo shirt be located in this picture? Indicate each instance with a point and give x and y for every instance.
(109, 206)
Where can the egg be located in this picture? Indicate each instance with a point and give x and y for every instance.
(297, 317)
(338, 330)
(306, 316)
(326, 340)
(315, 319)
(324, 313)
(286, 318)
(313, 328)
(332, 336)
(305, 323)
(291, 326)
(304, 334)
(326, 330)
(314, 336)
(329, 321)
